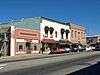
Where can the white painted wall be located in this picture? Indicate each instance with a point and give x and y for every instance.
(12, 44)
(35, 41)
(98, 39)
(20, 40)
(57, 27)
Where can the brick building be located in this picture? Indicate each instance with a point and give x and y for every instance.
(78, 34)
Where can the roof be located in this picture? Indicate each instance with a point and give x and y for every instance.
(28, 23)
(76, 25)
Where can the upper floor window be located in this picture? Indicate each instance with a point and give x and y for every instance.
(75, 34)
(51, 31)
(99, 40)
(56, 34)
(67, 32)
(62, 32)
(46, 30)
(78, 35)
(84, 36)
(71, 33)
(81, 35)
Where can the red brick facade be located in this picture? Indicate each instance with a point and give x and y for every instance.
(29, 36)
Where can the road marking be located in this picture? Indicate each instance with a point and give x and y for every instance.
(2, 66)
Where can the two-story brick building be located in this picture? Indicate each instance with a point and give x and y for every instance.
(78, 34)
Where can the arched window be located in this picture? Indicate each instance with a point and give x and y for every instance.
(55, 34)
(62, 32)
(51, 31)
(67, 32)
(46, 30)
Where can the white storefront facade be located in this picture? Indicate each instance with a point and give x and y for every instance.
(51, 31)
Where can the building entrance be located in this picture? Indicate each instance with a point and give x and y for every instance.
(28, 47)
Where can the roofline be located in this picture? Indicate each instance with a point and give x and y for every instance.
(93, 36)
(76, 25)
(54, 21)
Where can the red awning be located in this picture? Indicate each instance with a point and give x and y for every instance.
(49, 41)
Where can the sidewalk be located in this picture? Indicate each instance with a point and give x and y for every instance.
(20, 57)
(38, 56)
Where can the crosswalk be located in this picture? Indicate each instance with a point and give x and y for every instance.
(2, 66)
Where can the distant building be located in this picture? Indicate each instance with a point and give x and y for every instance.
(78, 34)
(92, 40)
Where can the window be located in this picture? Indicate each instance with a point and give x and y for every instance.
(28, 45)
(78, 35)
(75, 34)
(99, 40)
(20, 47)
(35, 47)
(66, 35)
(84, 35)
(51, 29)
(81, 35)
(46, 29)
(72, 33)
(56, 34)
(91, 40)
(62, 33)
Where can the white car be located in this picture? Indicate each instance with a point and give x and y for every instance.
(68, 49)
(89, 49)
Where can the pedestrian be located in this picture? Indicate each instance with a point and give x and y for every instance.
(42, 50)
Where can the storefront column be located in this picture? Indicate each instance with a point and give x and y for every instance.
(12, 44)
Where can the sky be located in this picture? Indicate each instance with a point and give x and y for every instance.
(81, 12)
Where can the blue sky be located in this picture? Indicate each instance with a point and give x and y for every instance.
(82, 12)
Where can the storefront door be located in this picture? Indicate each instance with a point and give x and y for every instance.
(28, 47)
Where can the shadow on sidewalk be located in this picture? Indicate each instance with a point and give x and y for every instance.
(91, 70)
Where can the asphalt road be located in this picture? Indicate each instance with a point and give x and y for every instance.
(62, 65)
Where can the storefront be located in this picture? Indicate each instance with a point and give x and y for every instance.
(49, 44)
(27, 41)
(64, 44)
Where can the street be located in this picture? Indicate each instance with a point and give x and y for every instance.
(61, 64)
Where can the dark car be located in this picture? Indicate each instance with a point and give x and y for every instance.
(74, 49)
(97, 48)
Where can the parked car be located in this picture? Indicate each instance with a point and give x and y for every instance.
(83, 48)
(68, 49)
(58, 51)
(89, 49)
(74, 49)
(97, 48)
